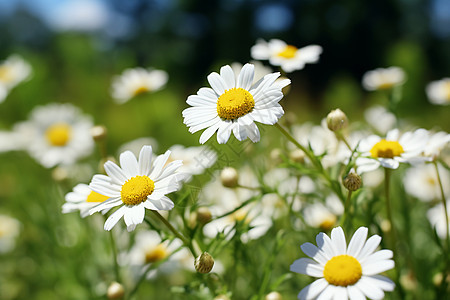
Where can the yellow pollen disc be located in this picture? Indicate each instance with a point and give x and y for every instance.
(155, 254)
(5, 74)
(385, 86)
(288, 52)
(58, 134)
(342, 270)
(136, 190)
(447, 90)
(386, 149)
(96, 197)
(140, 90)
(328, 223)
(235, 103)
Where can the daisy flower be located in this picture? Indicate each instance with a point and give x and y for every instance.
(438, 92)
(260, 71)
(13, 71)
(289, 57)
(234, 104)
(133, 82)
(392, 150)
(345, 272)
(82, 199)
(9, 230)
(422, 182)
(380, 119)
(57, 134)
(136, 185)
(383, 79)
(323, 215)
(195, 159)
(436, 144)
(436, 216)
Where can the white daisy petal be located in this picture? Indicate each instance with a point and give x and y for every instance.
(383, 282)
(228, 76)
(338, 240)
(314, 252)
(327, 293)
(195, 100)
(129, 164)
(115, 173)
(217, 83)
(371, 291)
(379, 255)
(372, 243)
(378, 267)
(208, 93)
(114, 218)
(224, 132)
(307, 266)
(145, 160)
(163, 203)
(357, 241)
(312, 290)
(111, 202)
(355, 293)
(340, 293)
(159, 164)
(209, 132)
(245, 78)
(134, 216)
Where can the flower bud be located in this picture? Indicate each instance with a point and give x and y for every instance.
(297, 156)
(337, 120)
(204, 263)
(99, 132)
(273, 296)
(229, 177)
(115, 291)
(203, 215)
(352, 181)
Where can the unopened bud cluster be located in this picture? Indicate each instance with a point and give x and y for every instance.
(337, 120)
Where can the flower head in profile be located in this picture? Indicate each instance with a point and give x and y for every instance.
(233, 105)
(345, 272)
(422, 182)
(437, 219)
(13, 71)
(133, 82)
(82, 199)
(438, 92)
(9, 230)
(56, 134)
(389, 152)
(288, 57)
(136, 185)
(383, 79)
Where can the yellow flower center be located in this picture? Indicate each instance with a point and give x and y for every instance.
(385, 86)
(5, 74)
(136, 190)
(288, 52)
(342, 270)
(140, 90)
(328, 223)
(235, 103)
(96, 197)
(58, 134)
(386, 149)
(156, 254)
(447, 90)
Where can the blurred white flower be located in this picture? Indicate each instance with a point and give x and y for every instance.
(9, 230)
(380, 119)
(389, 152)
(438, 92)
(136, 145)
(260, 71)
(323, 215)
(56, 134)
(382, 79)
(436, 144)
(13, 70)
(195, 159)
(436, 216)
(421, 182)
(136, 185)
(233, 105)
(82, 199)
(288, 57)
(133, 82)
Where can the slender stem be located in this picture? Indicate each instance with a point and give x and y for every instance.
(248, 187)
(114, 251)
(346, 214)
(392, 232)
(447, 236)
(341, 137)
(316, 162)
(186, 242)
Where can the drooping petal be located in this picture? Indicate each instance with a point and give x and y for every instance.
(312, 290)
(307, 266)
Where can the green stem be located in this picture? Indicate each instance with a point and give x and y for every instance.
(114, 251)
(316, 162)
(392, 232)
(346, 214)
(185, 241)
(342, 138)
(447, 235)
